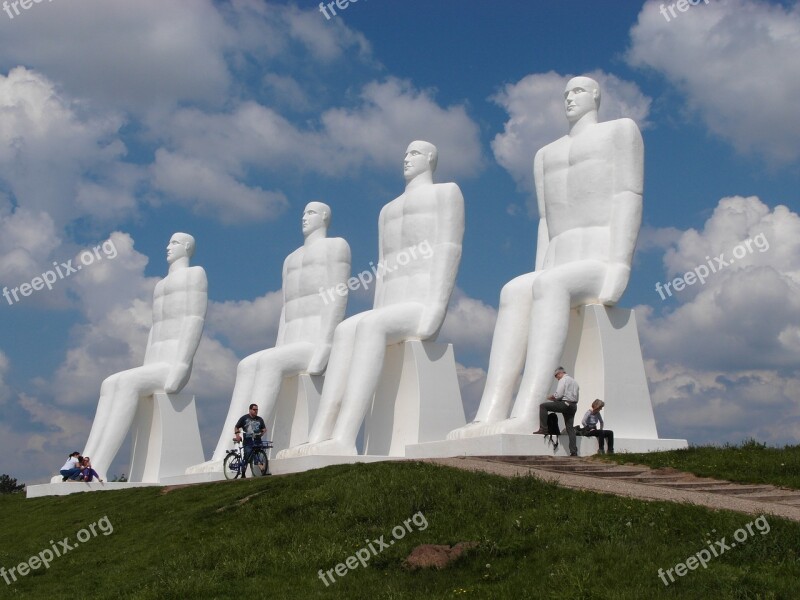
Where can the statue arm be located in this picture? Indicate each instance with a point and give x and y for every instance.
(626, 212)
(191, 329)
(337, 272)
(282, 320)
(377, 301)
(446, 257)
(543, 236)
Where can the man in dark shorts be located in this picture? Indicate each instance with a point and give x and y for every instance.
(253, 427)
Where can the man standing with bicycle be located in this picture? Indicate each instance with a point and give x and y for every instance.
(254, 428)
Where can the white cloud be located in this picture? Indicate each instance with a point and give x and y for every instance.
(249, 326)
(127, 55)
(732, 61)
(49, 142)
(535, 105)
(207, 190)
(469, 324)
(471, 380)
(719, 407)
(747, 314)
(207, 157)
(723, 364)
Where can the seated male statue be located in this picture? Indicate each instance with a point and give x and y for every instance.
(411, 297)
(589, 192)
(307, 321)
(179, 312)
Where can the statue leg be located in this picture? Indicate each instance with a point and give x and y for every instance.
(555, 292)
(377, 329)
(334, 387)
(258, 380)
(506, 358)
(120, 395)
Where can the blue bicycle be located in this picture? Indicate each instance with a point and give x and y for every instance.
(235, 463)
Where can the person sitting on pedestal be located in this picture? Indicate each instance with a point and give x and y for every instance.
(593, 425)
(411, 297)
(589, 191)
(179, 311)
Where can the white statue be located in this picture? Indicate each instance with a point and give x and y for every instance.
(589, 190)
(308, 319)
(411, 299)
(179, 312)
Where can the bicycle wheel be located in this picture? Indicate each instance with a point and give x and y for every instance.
(259, 464)
(232, 465)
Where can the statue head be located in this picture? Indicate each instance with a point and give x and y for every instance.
(316, 215)
(581, 96)
(420, 157)
(180, 245)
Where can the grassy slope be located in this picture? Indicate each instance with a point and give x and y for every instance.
(536, 540)
(750, 462)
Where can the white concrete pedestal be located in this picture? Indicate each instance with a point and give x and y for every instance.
(166, 438)
(417, 399)
(603, 354)
(295, 409)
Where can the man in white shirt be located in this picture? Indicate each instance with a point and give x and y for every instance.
(564, 401)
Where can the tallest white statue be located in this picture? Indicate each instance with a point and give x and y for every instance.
(589, 190)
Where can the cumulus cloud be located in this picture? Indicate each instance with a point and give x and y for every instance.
(206, 157)
(471, 380)
(535, 106)
(739, 89)
(726, 350)
(723, 407)
(49, 143)
(248, 326)
(469, 324)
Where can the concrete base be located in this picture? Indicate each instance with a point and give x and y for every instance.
(295, 409)
(66, 488)
(417, 399)
(603, 354)
(166, 437)
(532, 445)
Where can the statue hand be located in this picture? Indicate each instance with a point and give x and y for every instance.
(177, 377)
(616, 280)
(430, 322)
(319, 361)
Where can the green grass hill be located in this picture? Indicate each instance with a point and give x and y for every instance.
(269, 538)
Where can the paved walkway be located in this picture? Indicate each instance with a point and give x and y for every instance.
(639, 482)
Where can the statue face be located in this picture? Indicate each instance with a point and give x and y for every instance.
(313, 218)
(176, 249)
(416, 161)
(579, 98)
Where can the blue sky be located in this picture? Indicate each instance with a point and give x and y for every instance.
(131, 120)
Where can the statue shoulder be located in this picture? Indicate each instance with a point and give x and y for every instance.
(449, 191)
(196, 275)
(624, 127)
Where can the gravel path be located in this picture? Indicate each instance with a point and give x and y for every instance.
(614, 486)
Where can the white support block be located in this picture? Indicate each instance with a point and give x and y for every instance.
(603, 354)
(417, 399)
(166, 438)
(295, 409)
